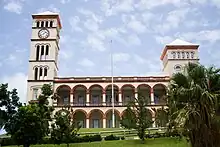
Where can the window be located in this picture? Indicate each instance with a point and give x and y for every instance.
(80, 99)
(47, 51)
(45, 72)
(42, 52)
(46, 24)
(178, 55)
(183, 55)
(35, 93)
(42, 23)
(95, 99)
(187, 55)
(37, 52)
(35, 73)
(41, 73)
(66, 100)
(192, 55)
(51, 23)
(174, 55)
(177, 68)
(38, 24)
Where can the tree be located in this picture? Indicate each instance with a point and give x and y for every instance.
(64, 130)
(31, 123)
(137, 116)
(161, 117)
(9, 102)
(193, 101)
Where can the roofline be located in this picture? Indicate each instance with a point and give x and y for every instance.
(195, 46)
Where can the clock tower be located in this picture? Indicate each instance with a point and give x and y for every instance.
(43, 52)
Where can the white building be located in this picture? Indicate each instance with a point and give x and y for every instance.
(90, 97)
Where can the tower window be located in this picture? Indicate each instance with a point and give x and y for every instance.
(177, 68)
(42, 23)
(187, 55)
(37, 52)
(46, 25)
(178, 55)
(183, 55)
(35, 93)
(41, 73)
(42, 52)
(45, 72)
(47, 50)
(192, 55)
(35, 73)
(51, 23)
(174, 55)
(38, 24)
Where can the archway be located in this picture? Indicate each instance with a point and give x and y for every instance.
(108, 115)
(160, 94)
(127, 93)
(95, 95)
(79, 95)
(144, 91)
(96, 118)
(63, 93)
(79, 117)
(108, 91)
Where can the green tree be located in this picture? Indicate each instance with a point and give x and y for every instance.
(31, 123)
(193, 101)
(64, 130)
(9, 102)
(161, 117)
(137, 116)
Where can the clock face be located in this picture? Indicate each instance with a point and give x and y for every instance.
(43, 33)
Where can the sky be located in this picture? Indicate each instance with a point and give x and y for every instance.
(139, 30)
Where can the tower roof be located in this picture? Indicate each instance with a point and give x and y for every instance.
(46, 15)
(178, 44)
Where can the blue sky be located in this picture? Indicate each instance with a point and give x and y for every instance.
(139, 30)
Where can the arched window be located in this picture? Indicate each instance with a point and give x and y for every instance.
(183, 55)
(42, 52)
(192, 55)
(45, 72)
(178, 55)
(51, 23)
(47, 51)
(177, 68)
(35, 93)
(38, 24)
(41, 73)
(174, 55)
(35, 73)
(37, 52)
(42, 23)
(187, 55)
(47, 24)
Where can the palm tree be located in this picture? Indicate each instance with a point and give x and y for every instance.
(161, 117)
(193, 100)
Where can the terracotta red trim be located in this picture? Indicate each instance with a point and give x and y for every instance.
(48, 16)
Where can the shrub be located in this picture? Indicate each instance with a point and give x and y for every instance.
(122, 138)
(112, 137)
(7, 142)
(96, 138)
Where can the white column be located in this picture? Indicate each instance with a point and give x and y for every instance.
(154, 123)
(104, 99)
(152, 96)
(136, 95)
(71, 98)
(87, 123)
(104, 122)
(120, 98)
(87, 98)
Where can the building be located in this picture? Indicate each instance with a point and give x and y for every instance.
(90, 97)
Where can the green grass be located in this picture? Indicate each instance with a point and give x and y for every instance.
(159, 142)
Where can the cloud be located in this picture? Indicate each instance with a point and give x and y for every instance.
(86, 63)
(205, 35)
(133, 40)
(14, 6)
(51, 7)
(91, 25)
(18, 81)
(121, 57)
(64, 1)
(164, 39)
(74, 23)
(140, 60)
(136, 26)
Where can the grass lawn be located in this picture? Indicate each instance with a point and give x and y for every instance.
(159, 142)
